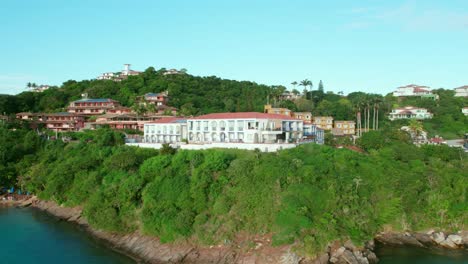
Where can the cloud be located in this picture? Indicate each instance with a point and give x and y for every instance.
(409, 15)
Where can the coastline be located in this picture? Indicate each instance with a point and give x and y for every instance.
(146, 249)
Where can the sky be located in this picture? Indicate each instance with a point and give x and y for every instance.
(368, 45)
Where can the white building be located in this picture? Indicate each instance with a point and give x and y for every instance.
(244, 127)
(119, 76)
(415, 90)
(461, 91)
(166, 130)
(410, 112)
(465, 111)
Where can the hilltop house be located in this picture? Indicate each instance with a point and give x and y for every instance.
(87, 106)
(410, 112)
(289, 96)
(119, 76)
(461, 91)
(414, 90)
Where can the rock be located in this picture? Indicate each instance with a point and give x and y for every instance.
(448, 244)
(371, 257)
(348, 258)
(456, 239)
(349, 245)
(398, 239)
(360, 258)
(424, 239)
(464, 236)
(335, 256)
(322, 259)
(438, 237)
(370, 245)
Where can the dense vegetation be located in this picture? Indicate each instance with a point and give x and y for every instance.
(200, 95)
(309, 195)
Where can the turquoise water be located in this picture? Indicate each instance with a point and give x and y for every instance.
(414, 255)
(30, 236)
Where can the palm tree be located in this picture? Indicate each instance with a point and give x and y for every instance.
(305, 83)
(29, 85)
(415, 128)
(294, 84)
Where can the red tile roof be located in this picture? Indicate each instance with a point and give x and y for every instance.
(463, 87)
(244, 115)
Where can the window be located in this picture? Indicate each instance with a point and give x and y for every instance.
(222, 125)
(214, 124)
(240, 125)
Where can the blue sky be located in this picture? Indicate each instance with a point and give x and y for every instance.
(370, 45)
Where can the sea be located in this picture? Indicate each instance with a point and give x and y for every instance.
(30, 236)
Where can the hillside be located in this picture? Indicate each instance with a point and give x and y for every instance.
(310, 195)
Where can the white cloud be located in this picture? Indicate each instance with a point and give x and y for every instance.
(410, 15)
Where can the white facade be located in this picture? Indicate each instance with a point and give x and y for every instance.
(461, 91)
(410, 112)
(465, 111)
(244, 128)
(412, 90)
(171, 131)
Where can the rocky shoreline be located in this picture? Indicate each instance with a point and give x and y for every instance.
(146, 249)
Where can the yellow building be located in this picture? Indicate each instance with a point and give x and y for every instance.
(323, 122)
(345, 128)
(304, 116)
(276, 110)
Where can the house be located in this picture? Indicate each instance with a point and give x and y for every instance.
(323, 122)
(119, 76)
(461, 91)
(409, 112)
(344, 128)
(244, 127)
(63, 122)
(313, 134)
(40, 88)
(119, 121)
(172, 71)
(30, 116)
(120, 110)
(3, 118)
(465, 111)
(437, 141)
(157, 98)
(166, 130)
(277, 110)
(304, 116)
(415, 90)
(289, 96)
(87, 106)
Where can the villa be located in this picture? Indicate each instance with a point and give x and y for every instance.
(304, 116)
(461, 91)
(88, 106)
(410, 112)
(119, 76)
(323, 122)
(157, 98)
(166, 130)
(244, 127)
(344, 128)
(276, 110)
(63, 121)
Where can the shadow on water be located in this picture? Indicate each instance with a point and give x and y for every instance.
(416, 255)
(33, 236)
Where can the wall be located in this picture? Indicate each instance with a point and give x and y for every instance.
(261, 147)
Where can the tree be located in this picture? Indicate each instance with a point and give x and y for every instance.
(305, 83)
(29, 85)
(294, 84)
(320, 86)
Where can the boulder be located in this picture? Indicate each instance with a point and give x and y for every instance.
(448, 244)
(424, 239)
(456, 239)
(370, 245)
(438, 237)
(335, 255)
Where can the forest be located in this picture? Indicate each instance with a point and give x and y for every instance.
(309, 195)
